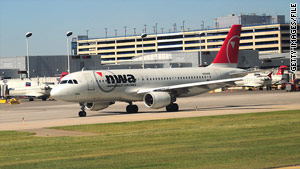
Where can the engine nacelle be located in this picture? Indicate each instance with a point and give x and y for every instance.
(95, 106)
(156, 100)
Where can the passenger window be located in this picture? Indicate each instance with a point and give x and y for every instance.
(75, 81)
(63, 82)
(70, 82)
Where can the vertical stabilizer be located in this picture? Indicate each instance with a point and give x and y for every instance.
(228, 54)
(281, 70)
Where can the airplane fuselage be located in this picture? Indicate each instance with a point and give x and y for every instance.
(122, 85)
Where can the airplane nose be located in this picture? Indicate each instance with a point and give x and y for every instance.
(63, 93)
(55, 93)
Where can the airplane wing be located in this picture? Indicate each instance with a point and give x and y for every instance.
(189, 85)
(241, 74)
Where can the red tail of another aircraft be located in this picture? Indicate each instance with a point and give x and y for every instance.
(228, 54)
(270, 75)
(63, 74)
(281, 70)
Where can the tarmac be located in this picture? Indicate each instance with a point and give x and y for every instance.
(37, 115)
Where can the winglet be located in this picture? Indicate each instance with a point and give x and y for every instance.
(228, 54)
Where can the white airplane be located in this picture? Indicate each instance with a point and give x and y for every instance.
(254, 80)
(31, 92)
(278, 77)
(31, 88)
(96, 90)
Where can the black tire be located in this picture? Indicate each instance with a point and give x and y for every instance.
(31, 99)
(169, 108)
(135, 108)
(128, 109)
(82, 114)
(132, 109)
(173, 107)
(44, 99)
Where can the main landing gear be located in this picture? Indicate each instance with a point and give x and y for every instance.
(82, 113)
(173, 107)
(132, 108)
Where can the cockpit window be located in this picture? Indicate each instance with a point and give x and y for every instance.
(63, 82)
(71, 81)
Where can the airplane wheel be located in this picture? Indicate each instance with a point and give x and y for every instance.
(82, 114)
(44, 99)
(31, 99)
(132, 109)
(135, 108)
(173, 107)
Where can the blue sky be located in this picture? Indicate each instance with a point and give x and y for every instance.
(49, 20)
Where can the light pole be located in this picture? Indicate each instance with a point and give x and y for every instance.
(105, 33)
(69, 33)
(134, 31)
(202, 25)
(145, 30)
(28, 34)
(183, 26)
(200, 34)
(87, 33)
(125, 30)
(143, 61)
(175, 27)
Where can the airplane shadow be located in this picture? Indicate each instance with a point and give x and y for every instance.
(242, 107)
(228, 107)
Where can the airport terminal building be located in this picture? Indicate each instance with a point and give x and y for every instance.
(267, 39)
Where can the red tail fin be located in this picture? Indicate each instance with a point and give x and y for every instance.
(63, 74)
(281, 70)
(228, 54)
(270, 75)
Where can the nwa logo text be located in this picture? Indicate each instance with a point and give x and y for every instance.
(113, 79)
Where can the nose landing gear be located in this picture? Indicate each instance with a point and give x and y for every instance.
(82, 113)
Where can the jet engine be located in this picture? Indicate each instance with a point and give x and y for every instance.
(156, 100)
(95, 106)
